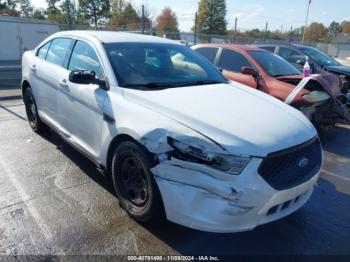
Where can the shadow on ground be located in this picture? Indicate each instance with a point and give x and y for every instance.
(337, 141)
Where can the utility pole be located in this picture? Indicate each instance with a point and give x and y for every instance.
(282, 29)
(306, 20)
(195, 29)
(267, 24)
(235, 32)
(143, 19)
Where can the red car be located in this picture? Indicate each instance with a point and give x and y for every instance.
(319, 98)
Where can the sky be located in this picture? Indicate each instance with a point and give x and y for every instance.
(280, 14)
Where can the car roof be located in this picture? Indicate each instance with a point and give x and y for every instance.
(116, 37)
(235, 46)
(302, 46)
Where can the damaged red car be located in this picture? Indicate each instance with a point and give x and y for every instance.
(319, 97)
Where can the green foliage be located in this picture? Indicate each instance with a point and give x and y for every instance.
(124, 16)
(95, 10)
(39, 14)
(26, 8)
(211, 17)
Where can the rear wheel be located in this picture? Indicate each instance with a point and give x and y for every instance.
(32, 112)
(134, 183)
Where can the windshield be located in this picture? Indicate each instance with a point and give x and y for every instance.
(273, 64)
(154, 65)
(318, 57)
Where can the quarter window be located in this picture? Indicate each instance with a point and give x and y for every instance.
(43, 50)
(208, 52)
(84, 58)
(268, 48)
(233, 61)
(58, 51)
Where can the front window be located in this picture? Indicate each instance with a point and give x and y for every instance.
(233, 61)
(160, 65)
(209, 53)
(84, 58)
(273, 64)
(320, 58)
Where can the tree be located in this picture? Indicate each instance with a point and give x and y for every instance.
(315, 32)
(8, 7)
(39, 14)
(333, 29)
(26, 8)
(54, 13)
(51, 6)
(345, 27)
(211, 17)
(124, 16)
(95, 10)
(69, 11)
(167, 23)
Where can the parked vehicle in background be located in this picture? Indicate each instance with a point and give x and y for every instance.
(319, 61)
(319, 98)
(170, 130)
(18, 35)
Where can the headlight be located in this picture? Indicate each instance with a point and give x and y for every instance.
(316, 97)
(230, 164)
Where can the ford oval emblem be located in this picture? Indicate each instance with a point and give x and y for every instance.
(303, 162)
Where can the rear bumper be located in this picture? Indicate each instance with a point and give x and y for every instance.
(201, 198)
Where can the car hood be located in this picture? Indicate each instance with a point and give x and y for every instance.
(242, 120)
(344, 70)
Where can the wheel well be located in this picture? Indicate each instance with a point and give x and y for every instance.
(113, 145)
(25, 85)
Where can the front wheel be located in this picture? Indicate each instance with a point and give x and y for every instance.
(134, 183)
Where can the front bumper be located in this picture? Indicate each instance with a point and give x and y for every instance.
(206, 199)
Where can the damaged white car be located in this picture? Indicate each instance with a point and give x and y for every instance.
(174, 135)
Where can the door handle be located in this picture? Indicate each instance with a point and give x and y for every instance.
(33, 68)
(64, 83)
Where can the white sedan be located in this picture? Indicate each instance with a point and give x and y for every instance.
(175, 136)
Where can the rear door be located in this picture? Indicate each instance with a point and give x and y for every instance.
(49, 73)
(80, 105)
(231, 63)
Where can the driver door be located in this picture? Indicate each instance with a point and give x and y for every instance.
(231, 62)
(81, 105)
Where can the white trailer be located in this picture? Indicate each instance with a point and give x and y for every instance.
(16, 36)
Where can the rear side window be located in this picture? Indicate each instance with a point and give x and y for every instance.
(290, 55)
(58, 51)
(233, 61)
(43, 50)
(208, 52)
(84, 58)
(268, 48)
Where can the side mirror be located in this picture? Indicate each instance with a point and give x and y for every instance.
(245, 70)
(86, 77)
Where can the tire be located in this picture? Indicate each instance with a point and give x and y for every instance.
(32, 112)
(134, 183)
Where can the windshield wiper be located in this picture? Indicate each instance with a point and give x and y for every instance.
(155, 85)
(200, 82)
(150, 85)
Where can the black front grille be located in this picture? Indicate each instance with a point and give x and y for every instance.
(292, 167)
